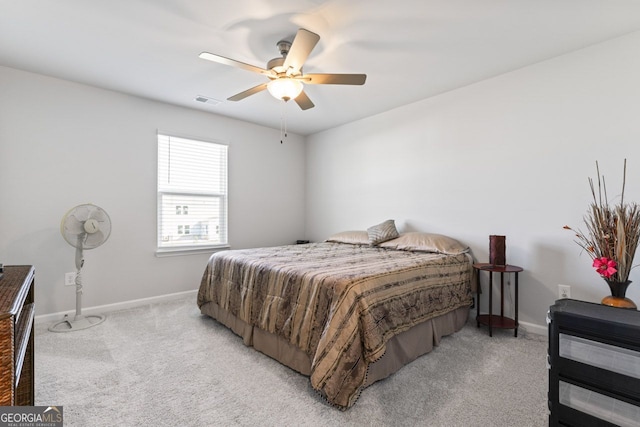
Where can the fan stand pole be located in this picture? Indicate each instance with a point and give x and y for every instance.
(79, 321)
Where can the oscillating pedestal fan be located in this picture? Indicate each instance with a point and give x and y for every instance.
(84, 227)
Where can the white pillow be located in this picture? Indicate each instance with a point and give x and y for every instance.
(355, 237)
(426, 242)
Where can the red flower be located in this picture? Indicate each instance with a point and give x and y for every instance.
(605, 267)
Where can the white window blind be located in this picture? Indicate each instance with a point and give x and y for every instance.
(192, 193)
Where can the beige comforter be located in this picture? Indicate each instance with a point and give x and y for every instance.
(337, 302)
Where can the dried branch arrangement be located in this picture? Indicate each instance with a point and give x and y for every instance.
(613, 231)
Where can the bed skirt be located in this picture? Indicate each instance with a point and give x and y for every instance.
(400, 350)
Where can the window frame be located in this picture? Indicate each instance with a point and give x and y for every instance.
(186, 249)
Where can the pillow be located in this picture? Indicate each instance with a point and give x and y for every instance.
(382, 232)
(426, 242)
(350, 237)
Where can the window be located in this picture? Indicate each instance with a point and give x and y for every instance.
(192, 194)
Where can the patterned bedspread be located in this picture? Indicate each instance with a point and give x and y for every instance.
(337, 302)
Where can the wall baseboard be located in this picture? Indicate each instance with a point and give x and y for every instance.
(533, 328)
(101, 309)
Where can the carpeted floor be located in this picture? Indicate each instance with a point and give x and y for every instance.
(167, 365)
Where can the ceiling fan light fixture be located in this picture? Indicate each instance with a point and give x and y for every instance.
(285, 88)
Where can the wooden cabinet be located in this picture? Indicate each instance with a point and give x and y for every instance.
(17, 311)
(594, 365)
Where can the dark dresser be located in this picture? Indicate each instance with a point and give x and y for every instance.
(594, 365)
(17, 311)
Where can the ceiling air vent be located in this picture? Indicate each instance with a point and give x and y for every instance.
(207, 100)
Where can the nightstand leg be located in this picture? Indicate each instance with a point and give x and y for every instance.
(501, 294)
(491, 303)
(515, 332)
(478, 299)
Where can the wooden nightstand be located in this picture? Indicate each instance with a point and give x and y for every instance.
(491, 320)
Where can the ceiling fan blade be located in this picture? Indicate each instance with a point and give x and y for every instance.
(334, 79)
(303, 101)
(302, 45)
(233, 63)
(248, 92)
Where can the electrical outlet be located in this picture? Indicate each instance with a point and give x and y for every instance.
(70, 279)
(564, 291)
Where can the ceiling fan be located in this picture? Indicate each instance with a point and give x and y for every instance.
(286, 79)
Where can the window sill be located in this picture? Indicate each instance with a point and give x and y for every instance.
(166, 252)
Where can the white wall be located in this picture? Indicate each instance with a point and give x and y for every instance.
(510, 155)
(63, 144)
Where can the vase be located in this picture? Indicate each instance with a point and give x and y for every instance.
(617, 297)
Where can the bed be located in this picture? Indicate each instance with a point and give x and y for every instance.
(346, 312)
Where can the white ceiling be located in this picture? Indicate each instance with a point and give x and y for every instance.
(409, 49)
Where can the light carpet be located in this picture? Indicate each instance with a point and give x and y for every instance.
(165, 364)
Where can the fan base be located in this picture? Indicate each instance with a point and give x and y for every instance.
(77, 323)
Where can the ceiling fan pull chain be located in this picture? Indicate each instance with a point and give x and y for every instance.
(281, 123)
(285, 118)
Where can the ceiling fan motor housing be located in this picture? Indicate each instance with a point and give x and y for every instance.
(283, 47)
(276, 65)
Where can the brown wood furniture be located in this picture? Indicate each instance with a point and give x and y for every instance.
(17, 311)
(492, 320)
